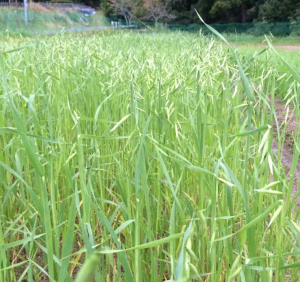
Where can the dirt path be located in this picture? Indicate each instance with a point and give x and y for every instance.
(72, 30)
(295, 48)
(260, 45)
(287, 151)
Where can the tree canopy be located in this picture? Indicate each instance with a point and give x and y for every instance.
(213, 11)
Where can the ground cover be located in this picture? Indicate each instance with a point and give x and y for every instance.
(160, 144)
(284, 110)
(252, 40)
(41, 19)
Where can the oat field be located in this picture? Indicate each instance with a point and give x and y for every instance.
(145, 157)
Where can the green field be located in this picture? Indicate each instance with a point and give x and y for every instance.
(12, 21)
(147, 156)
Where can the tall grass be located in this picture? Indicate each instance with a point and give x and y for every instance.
(142, 155)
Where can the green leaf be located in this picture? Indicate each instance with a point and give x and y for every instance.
(107, 225)
(15, 131)
(123, 226)
(292, 265)
(181, 263)
(67, 243)
(13, 266)
(166, 173)
(29, 147)
(275, 215)
(251, 223)
(261, 128)
(120, 122)
(88, 269)
(34, 196)
(87, 136)
(18, 49)
(146, 245)
(19, 242)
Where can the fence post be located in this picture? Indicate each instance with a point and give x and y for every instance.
(25, 12)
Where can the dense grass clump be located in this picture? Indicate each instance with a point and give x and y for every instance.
(151, 143)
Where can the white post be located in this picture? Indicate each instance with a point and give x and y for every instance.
(25, 12)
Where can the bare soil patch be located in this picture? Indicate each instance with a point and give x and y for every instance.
(260, 45)
(287, 150)
(295, 48)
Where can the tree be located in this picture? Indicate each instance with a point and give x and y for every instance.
(106, 7)
(125, 8)
(278, 10)
(297, 13)
(230, 6)
(203, 7)
(157, 10)
(212, 11)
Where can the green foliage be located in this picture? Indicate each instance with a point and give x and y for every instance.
(143, 157)
(88, 270)
(278, 10)
(278, 29)
(225, 11)
(61, 1)
(183, 13)
(106, 8)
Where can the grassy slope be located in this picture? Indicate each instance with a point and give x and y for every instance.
(135, 135)
(12, 21)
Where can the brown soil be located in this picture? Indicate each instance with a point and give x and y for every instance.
(287, 151)
(295, 48)
(286, 47)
